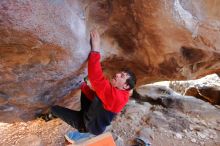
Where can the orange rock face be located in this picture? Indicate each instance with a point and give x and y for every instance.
(210, 94)
(44, 45)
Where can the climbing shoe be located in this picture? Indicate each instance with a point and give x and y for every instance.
(76, 136)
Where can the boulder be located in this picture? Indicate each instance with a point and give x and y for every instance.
(44, 45)
(162, 95)
(210, 94)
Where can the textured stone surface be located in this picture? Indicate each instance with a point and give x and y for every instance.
(210, 94)
(44, 45)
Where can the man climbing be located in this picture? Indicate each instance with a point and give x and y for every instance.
(100, 104)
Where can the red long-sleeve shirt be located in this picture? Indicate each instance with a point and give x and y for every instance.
(113, 99)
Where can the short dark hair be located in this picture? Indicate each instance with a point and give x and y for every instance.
(131, 81)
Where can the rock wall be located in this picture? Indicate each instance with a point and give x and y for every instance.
(44, 45)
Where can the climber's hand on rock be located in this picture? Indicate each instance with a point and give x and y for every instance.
(95, 40)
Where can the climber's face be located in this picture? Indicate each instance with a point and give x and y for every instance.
(119, 80)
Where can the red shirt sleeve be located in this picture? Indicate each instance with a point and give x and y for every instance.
(112, 98)
(90, 94)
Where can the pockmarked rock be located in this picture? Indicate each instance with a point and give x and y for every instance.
(44, 46)
(210, 94)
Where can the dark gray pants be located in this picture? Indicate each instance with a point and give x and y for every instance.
(71, 117)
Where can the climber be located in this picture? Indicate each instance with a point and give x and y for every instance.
(100, 104)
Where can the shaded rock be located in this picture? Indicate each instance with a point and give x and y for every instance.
(154, 94)
(210, 94)
(192, 91)
(162, 95)
(172, 116)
